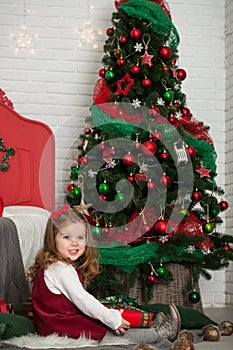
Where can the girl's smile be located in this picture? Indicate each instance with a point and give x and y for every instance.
(71, 240)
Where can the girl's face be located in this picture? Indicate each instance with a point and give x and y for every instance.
(71, 240)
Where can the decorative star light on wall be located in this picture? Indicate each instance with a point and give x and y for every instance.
(24, 40)
(87, 34)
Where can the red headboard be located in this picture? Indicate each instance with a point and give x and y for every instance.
(30, 178)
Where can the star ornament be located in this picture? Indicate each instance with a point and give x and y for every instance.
(83, 208)
(203, 172)
(146, 59)
(124, 85)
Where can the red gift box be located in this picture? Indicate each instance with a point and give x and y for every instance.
(138, 319)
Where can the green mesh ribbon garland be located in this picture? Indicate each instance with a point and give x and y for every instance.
(205, 149)
(104, 122)
(126, 258)
(160, 23)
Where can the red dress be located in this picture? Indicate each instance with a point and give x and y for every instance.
(54, 313)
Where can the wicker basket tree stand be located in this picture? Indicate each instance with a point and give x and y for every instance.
(164, 292)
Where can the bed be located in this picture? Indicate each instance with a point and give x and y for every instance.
(27, 191)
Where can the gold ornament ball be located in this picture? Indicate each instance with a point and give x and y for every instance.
(144, 347)
(226, 328)
(187, 335)
(210, 333)
(183, 344)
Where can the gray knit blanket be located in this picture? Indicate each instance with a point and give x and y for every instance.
(13, 285)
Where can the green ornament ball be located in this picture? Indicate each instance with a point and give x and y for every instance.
(110, 75)
(120, 197)
(104, 188)
(161, 271)
(96, 231)
(214, 211)
(186, 213)
(75, 193)
(194, 297)
(208, 227)
(168, 95)
(74, 172)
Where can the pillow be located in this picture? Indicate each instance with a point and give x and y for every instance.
(25, 210)
(15, 325)
(190, 318)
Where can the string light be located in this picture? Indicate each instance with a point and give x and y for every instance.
(88, 34)
(24, 40)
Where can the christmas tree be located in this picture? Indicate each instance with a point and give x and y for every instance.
(146, 167)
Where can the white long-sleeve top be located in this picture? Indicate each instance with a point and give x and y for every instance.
(61, 278)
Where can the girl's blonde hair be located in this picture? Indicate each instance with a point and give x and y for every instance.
(87, 264)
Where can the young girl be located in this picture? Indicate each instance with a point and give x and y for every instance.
(62, 269)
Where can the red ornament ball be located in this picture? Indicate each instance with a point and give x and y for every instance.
(156, 136)
(102, 197)
(165, 52)
(146, 228)
(224, 205)
(121, 61)
(186, 112)
(196, 196)
(181, 74)
(102, 72)
(87, 131)
(137, 145)
(164, 156)
(149, 148)
(119, 2)
(165, 180)
(135, 70)
(176, 105)
(191, 151)
(161, 227)
(101, 146)
(105, 230)
(227, 247)
(172, 119)
(123, 39)
(110, 31)
(130, 178)
(150, 185)
(154, 112)
(151, 279)
(69, 187)
(146, 82)
(166, 69)
(136, 33)
(82, 160)
(116, 53)
(128, 159)
(112, 151)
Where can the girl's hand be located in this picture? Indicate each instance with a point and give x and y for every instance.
(124, 325)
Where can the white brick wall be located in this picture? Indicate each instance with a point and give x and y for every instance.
(55, 84)
(229, 136)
